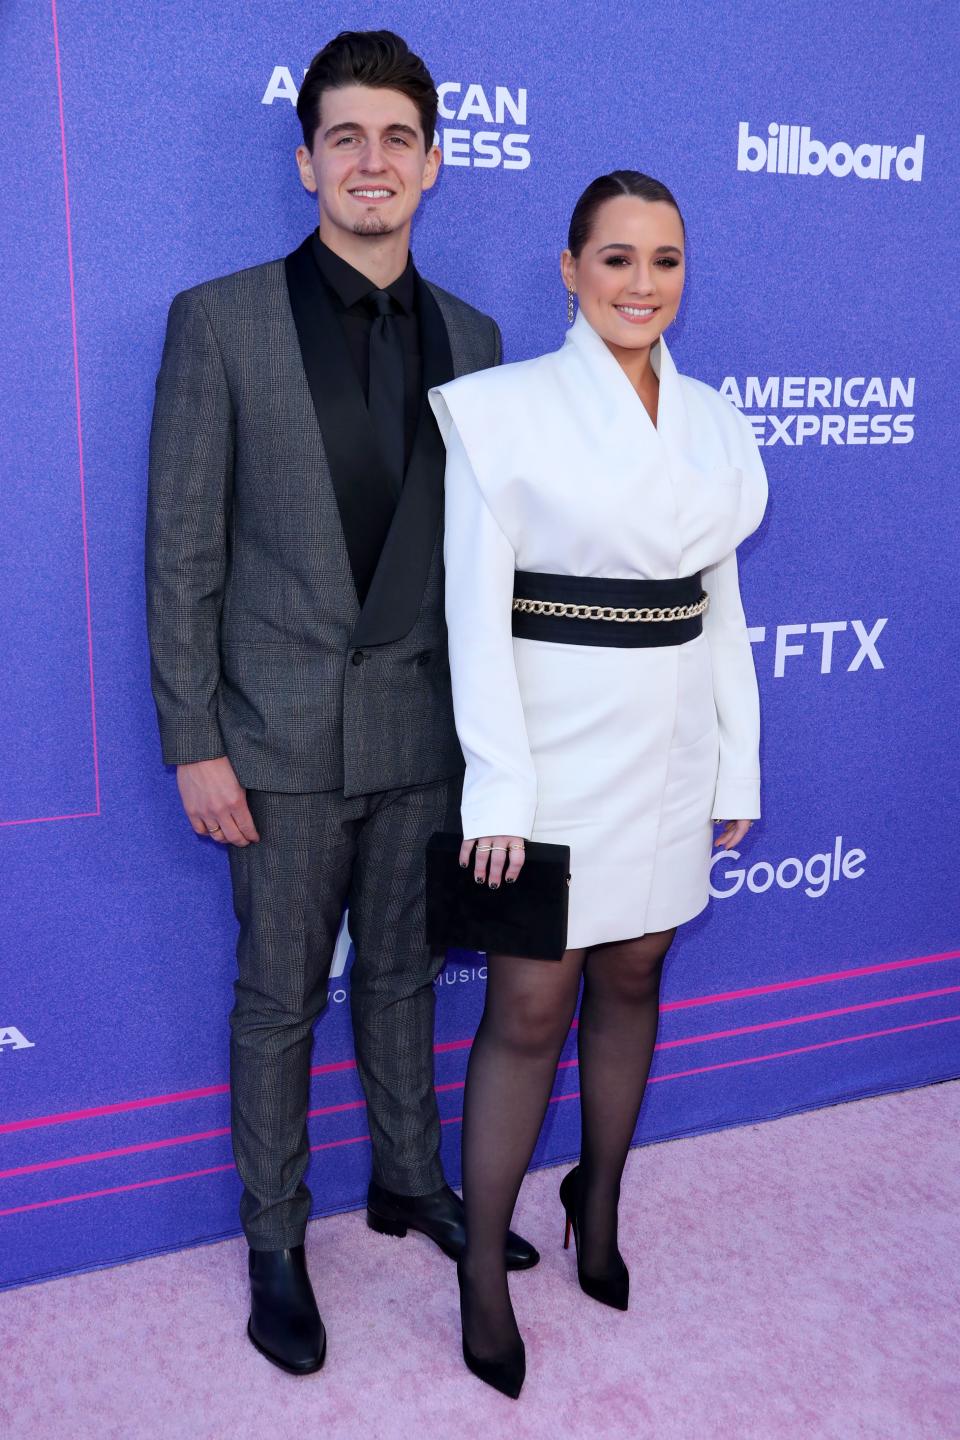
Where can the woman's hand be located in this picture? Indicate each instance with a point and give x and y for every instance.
(498, 857)
(733, 834)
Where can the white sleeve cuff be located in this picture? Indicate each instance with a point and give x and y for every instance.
(737, 797)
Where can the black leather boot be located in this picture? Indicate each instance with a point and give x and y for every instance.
(285, 1324)
(438, 1216)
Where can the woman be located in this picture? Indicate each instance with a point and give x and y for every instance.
(593, 476)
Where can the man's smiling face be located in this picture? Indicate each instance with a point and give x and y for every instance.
(370, 163)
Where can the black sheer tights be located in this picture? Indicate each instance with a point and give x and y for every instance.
(619, 1014)
(527, 1014)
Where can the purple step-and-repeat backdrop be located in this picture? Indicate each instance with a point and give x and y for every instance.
(813, 150)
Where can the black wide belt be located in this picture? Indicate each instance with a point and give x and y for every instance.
(590, 610)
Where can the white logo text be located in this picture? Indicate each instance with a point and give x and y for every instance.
(819, 872)
(821, 406)
(790, 150)
(483, 149)
(789, 642)
(13, 1038)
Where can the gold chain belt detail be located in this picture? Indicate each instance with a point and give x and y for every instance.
(654, 614)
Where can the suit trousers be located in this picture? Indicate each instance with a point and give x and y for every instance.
(318, 853)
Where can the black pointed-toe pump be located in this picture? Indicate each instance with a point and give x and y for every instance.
(507, 1373)
(612, 1289)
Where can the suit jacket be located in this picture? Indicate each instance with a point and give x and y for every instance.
(260, 649)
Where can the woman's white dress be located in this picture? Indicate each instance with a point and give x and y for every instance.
(625, 755)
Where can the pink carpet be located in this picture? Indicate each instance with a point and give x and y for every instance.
(796, 1279)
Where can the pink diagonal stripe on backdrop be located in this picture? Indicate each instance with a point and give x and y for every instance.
(336, 1109)
(84, 815)
(50, 819)
(197, 1135)
(459, 1084)
(455, 1119)
(114, 1190)
(112, 1154)
(175, 1140)
(805, 1049)
(335, 1144)
(825, 979)
(121, 1105)
(332, 1066)
(450, 1045)
(807, 1018)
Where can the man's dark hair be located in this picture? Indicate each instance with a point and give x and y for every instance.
(607, 187)
(377, 58)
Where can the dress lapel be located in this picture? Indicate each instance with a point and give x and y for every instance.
(364, 498)
(673, 425)
(648, 458)
(616, 396)
(396, 591)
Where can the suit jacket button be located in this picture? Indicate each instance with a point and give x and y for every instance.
(358, 657)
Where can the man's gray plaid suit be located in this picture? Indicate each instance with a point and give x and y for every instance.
(336, 716)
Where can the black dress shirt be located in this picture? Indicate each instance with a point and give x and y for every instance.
(349, 290)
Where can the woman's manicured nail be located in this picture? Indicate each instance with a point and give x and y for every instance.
(494, 884)
(479, 879)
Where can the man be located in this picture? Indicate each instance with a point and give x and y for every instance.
(295, 598)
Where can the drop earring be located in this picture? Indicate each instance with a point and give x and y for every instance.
(569, 307)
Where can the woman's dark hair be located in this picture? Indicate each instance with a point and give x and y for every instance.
(608, 187)
(377, 58)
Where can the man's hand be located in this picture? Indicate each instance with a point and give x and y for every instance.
(216, 802)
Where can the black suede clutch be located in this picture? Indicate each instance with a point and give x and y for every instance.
(527, 918)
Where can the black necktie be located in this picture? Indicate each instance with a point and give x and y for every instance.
(386, 387)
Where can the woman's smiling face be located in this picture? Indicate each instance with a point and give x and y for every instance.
(628, 277)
